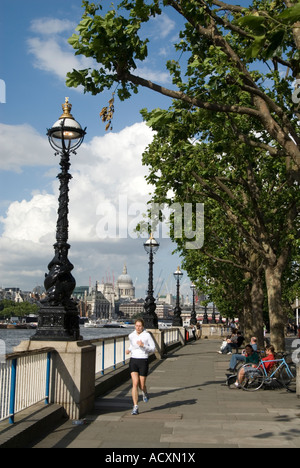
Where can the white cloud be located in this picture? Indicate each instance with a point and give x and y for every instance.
(31, 220)
(50, 47)
(104, 169)
(50, 26)
(152, 74)
(162, 26)
(56, 56)
(22, 145)
(53, 54)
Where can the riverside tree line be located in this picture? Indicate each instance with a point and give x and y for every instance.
(230, 138)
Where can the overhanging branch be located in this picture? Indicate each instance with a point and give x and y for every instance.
(212, 106)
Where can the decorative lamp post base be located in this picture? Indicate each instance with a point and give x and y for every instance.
(57, 324)
(177, 320)
(193, 321)
(149, 316)
(151, 321)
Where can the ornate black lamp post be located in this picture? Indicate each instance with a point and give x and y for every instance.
(177, 321)
(213, 317)
(58, 315)
(149, 316)
(193, 314)
(205, 317)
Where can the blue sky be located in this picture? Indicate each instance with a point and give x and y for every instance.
(34, 58)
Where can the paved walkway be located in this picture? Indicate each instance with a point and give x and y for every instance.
(189, 408)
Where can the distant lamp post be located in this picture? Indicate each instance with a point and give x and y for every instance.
(58, 315)
(205, 316)
(177, 321)
(213, 317)
(150, 318)
(193, 314)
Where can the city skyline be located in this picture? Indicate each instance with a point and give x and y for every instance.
(162, 285)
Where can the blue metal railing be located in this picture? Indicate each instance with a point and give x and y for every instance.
(13, 380)
(26, 381)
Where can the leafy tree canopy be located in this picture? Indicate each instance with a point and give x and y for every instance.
(17, 309)
(235, 60)
(231, 137)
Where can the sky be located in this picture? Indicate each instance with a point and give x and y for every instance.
(108, 177)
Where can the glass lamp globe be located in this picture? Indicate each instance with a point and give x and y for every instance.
(151, 244)
(66, 133)
(178, 274)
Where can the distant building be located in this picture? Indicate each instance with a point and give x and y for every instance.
(15, 294)
(103, 301)
(131, 309)
(164, 311)
(108, 291)
(98, 307)
(167, 299)
(124, 288)
(80, 292)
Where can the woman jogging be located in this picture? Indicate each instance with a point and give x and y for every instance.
(141, 345)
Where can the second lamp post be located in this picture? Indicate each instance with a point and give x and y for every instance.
(150, 318)
(193, 314)
(177, 321)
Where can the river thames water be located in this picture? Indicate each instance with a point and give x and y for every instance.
(12, 338)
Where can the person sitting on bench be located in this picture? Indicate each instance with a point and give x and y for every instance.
(236, 358)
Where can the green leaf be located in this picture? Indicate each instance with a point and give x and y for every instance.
(255, 23)
(276, 41)
(290, 15)
(256, 47)
(73, 40)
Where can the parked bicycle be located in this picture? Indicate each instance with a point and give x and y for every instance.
(252, 378)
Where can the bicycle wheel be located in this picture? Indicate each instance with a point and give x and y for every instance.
(251, 378)
(288, 377)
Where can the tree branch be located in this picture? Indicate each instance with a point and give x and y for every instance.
(261, 243)
(226, 6)
(229, 262)
(137, 80)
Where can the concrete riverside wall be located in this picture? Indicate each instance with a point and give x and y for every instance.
(73, 374)
(212, 331)
(161, 346)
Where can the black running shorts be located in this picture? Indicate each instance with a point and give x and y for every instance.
(141, 366)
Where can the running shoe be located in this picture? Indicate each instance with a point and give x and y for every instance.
(135, 411)
(145, 397)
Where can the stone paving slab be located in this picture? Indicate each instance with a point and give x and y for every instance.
(189, 408)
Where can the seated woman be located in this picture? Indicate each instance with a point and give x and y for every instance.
(237, 340)
(252, 357)
(269, 359)
(225, 348)
(236, 358)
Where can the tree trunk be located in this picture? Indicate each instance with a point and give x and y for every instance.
(247, 315)
(276, 311)
(257, 303)
(252, 321)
